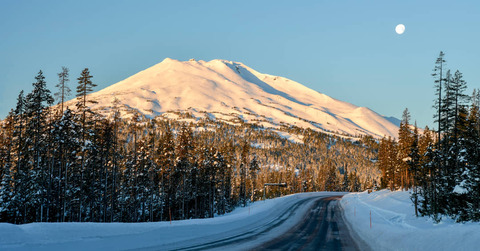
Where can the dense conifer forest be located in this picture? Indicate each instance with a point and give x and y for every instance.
(73, 164)
(442, 168)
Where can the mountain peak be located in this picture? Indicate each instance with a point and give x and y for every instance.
(231, 91)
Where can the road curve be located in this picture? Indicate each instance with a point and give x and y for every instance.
(320, 228)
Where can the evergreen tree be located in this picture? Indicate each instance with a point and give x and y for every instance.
(36, 112)
(346, 180)
(388, 163)
(183, 168)
(405, 139)
(243, 172)
(458, 88)
(66, 132)
(166, 162)
(331, 178)
(414, 162)
(7, 206)
(84, 87)
(439, 79)
(63, 89)
(356, 185)
(254, 168)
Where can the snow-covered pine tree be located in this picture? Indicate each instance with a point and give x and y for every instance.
(414, 162)
(243, 172)
(346, 179)
(227, 149)
(471, 153)
(84, 87)
(66, 134)
(36, 109)
(253, 171)
(356, 184)
(7, 203)
(221, 198)
(465, 203)
(331, 178)
(166, 163)
(405, 139)
(183, 168)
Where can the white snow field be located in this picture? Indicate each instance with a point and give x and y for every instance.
(395, 227)
(275, 215)
(229, 91)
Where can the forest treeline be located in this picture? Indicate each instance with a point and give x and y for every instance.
(74, 164)
(441, 167)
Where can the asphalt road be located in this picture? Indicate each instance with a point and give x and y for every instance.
(321, 228)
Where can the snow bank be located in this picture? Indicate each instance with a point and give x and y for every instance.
(395, 227)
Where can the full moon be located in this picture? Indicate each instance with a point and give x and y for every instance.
(400, 29)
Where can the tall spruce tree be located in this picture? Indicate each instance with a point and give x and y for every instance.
(36, 109)
(253, 171)
(84, 87)
(243, 172)
(183, 168)
(405, 139)
(414, 162)
(438, 80)
(63, 89)
(7, 193)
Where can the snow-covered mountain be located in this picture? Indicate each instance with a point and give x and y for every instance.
(231, 91)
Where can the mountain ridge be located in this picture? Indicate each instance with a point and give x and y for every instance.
(225, 90)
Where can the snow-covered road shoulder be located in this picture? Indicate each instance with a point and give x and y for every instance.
(395, 227)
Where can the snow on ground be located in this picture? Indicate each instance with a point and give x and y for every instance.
(298, 139)
(395, 227)
(157, 235)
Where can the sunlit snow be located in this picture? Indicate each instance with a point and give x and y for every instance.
(224, 90)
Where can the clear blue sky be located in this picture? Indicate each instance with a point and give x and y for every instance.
(346, 49)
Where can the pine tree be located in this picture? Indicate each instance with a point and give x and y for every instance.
(84, 87)
(439, 79)
(405, 139)
(389, 163)
(63, 89)
(66, 132)
(222, 196)
(414, 163)
(243, 172)
(472, 156)
(331, 178)
(253, 170)
(356, 184)
(7, 204)
(183, 168)
(36, 152)
(166, 162)
(346, 180)
(458, 86)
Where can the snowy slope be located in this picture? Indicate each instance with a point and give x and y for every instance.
(395, 227)
(224, 90)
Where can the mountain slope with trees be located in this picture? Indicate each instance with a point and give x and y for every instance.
(82, 164)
